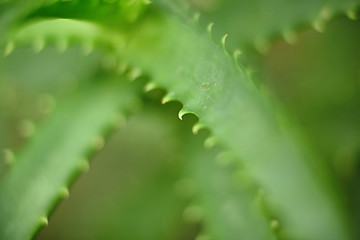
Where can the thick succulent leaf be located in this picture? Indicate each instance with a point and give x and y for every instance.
(224, 196)
(198, 73)
(130, 186)
(41, 174)
(253, 23)
(14, 10)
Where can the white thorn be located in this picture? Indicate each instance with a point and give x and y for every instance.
(210, 27)
(44, 221)
(64, 192)
(223, 42)
(167, 98)
(150, 86)
(182, 112)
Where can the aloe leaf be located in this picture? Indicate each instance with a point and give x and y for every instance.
(131, 184)
(41, 175)
(256, 22)
(225, 199)
(201, 75)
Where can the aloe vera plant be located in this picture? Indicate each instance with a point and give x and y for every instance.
(272, 147)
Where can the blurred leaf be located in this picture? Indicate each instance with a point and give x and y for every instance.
(41, 174)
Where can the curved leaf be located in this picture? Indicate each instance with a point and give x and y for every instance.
(42, 172)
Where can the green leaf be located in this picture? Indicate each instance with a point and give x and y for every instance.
(255, 23)
(224, 196)
(198, 73)
(43, 171)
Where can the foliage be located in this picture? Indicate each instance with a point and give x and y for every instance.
(275, 154)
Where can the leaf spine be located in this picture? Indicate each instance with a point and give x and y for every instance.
(150, 86)
(223, 43)
(44, 221)
(209, 28)
(64, 192)
(182, 112)
(168, 98)
(197, 127)
(319, 25)
(134, 74)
